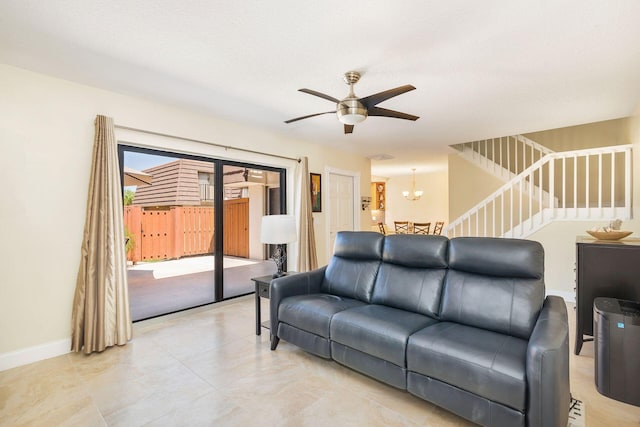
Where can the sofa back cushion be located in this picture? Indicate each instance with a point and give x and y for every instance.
(412, 273)
(495, 284)
(354, 266)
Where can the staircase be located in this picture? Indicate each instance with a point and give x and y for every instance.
(543, 186)
(503, 157)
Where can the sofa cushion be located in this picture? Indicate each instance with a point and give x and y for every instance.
(495, 284)
(486, 363)
(415, 250)
(497, 257)
(313, 313)
(377, 330)
(412, 273)
(353, 268)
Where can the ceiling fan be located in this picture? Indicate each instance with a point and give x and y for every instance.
(352, 110)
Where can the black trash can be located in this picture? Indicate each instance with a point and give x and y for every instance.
(616, 327)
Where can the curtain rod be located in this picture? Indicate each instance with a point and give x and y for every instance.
(226, 147)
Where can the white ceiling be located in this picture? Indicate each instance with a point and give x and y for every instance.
(481, 69)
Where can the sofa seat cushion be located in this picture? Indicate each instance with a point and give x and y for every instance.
(313, 312)
(486, 363)
(378, 330)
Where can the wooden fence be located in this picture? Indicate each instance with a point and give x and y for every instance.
(169, 233)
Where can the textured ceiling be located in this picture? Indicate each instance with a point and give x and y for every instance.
(482, 69)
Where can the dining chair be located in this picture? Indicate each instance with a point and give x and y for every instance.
(421, 227)
(402, 227)
(437, 229)
(382, 228)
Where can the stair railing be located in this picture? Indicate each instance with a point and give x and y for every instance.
(512, 154)
(573, 185)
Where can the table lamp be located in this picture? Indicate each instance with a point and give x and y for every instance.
(278, 230)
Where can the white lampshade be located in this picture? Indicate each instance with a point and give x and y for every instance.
(278, 229)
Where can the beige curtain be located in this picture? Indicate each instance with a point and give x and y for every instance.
(101, 316)
(307, 256)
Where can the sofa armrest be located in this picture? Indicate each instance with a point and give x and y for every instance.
(287, 286)
(548, 367)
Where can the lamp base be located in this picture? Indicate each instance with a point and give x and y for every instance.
(279, 256)
(279, 274)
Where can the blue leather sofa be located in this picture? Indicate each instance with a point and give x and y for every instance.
(463, 323)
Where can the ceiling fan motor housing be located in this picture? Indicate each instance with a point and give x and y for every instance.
(351, 111)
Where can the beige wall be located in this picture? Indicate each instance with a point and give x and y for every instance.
(46, 138)
(469, 185)
(590, 135)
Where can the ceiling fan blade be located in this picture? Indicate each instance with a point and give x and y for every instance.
(306, 117)
(377, 98)
(348, 129)
(383, 112)
(321, 95)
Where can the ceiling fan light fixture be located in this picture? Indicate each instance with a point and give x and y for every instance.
(352, 119)
(351, 112)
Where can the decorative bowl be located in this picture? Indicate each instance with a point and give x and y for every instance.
(609, 235)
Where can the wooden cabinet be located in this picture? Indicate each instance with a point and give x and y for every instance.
(378, 196)
(603, 269)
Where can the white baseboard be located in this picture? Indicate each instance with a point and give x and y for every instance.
(568, 296)
(34, 354)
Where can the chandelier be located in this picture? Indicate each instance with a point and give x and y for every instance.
(414, 194)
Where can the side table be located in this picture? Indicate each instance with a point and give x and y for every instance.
(262, 290)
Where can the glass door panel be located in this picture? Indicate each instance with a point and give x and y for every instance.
(250, 192)
(169, 218)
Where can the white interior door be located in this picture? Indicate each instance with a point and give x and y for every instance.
(341, 193)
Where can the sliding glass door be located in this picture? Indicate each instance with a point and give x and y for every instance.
(193, 228)
(248, 195)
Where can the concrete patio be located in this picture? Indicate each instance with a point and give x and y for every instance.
(163, 287)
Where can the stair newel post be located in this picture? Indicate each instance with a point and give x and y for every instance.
(552, 186)
(515, 148)
(508, 155)
(627, 180)
(600, 183)
(520, 192)
(494, 156)
(575, 185)
(531, 196)
(564, 186)
(500, 145)
(540, 191)
(613, 179)
(502, 214)
(586, 195)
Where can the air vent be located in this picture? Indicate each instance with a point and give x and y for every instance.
(380, 157)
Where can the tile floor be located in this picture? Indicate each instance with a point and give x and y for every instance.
(206, 367)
